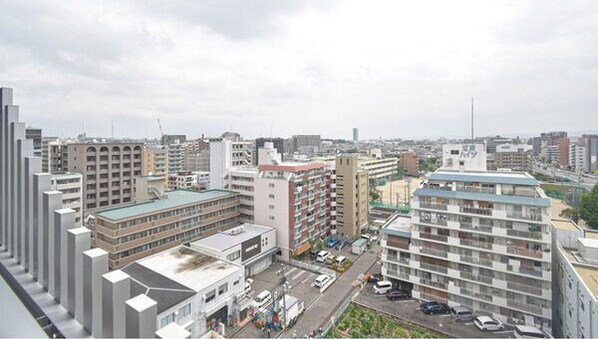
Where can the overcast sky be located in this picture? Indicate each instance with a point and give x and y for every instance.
(392, 69)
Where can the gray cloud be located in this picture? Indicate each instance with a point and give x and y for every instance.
(392, 69)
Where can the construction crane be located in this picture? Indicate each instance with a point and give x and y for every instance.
(160, 126)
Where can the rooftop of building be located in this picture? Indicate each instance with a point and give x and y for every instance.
(224, 240)
(564, 224)
(173, 199)
(174, 275)
(589, 275)
(399, 226)
(292, 166)
(591, 234)
(492, 177)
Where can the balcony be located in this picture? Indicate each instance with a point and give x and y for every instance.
(525, 307)
(480, 228)
(440, 222)
(477, 261)
(481, 278)
(524, 288)
(432, 267)
(435, 252)
(441, 207)
(524, 234)
(524, 216)
(482, 296)
(476, 243)
(475, 210)
(475, 189)
(397, 274)
(438, 187)
(437, 284)
(435, 237)
(524, 252)
(523, 270)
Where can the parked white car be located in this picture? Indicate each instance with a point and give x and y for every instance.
(485, 323)
(322, 280)
(381, 287)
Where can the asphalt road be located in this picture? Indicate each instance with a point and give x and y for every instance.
(300, 286)
(318, 313)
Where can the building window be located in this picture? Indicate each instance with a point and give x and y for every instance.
(236, 282)
(167, 320)
(184, 311)
(271, 217)
(210, 296)
(271, 207)
(233, 256)
(271, 196)
(222, 289)
(271, 185)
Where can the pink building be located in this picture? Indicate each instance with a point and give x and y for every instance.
(294, 198)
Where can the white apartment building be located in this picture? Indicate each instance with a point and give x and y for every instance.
(575, 281)
(241, 179)
(577, 157)
(71, 186)
(479, 239)
(225, 154)
(252, 246)
(379, 168)
(175, 157)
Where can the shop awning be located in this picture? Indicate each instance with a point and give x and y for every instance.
(302, 248)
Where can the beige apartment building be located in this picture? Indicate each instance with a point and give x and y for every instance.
(135, 231)
(351, 197)
(155, 161)
(108, 169)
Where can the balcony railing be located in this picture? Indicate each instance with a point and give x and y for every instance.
(398, 274)
(524, 252)
(475, 243)
(524, 288)
(438, 187)
(427, 205)
(525, 306)
(441, 222)
(435, 252)
(432, 267)
(523, 270)
(474, 210)
(477, 277)
(478, 295)
(468, 226)
(474, 189)
(433, 283)
(477, 261)
(524, 216)
(524, 234)
(442, 238)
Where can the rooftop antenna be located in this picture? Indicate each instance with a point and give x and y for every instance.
(472, 134)
(112, 128)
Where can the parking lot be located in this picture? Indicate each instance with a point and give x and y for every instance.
(409, 310)
(300, 286)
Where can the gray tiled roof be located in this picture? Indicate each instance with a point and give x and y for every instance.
(164, 291)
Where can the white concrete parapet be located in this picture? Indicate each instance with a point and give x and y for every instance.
(141, 317)
(41, 184)
(116, 289)
(64, 219)
(52, 201)
(79, 240)
(95, 265)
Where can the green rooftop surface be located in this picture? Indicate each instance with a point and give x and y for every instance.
(173, 199)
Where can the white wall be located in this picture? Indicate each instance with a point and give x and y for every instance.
(220, 161)
(280, 212)
(473, 157)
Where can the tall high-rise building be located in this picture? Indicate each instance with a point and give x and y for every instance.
(355, 134)
(168, 139)
(408, 162)
(352, 196)
(293, 198)
(479, 239)
(109, 170)
(577, 157)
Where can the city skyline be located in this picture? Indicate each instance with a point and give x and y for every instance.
(288, 68)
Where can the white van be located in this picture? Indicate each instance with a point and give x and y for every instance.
(340, 260)
(381, 287)
(322, 255)
(263, 299)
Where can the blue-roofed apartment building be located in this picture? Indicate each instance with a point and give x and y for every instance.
(477, 238)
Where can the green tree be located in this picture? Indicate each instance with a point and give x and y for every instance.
(588, 208)
(374, 195)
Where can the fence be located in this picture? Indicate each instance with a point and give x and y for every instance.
(313, 268)
(335, 318)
